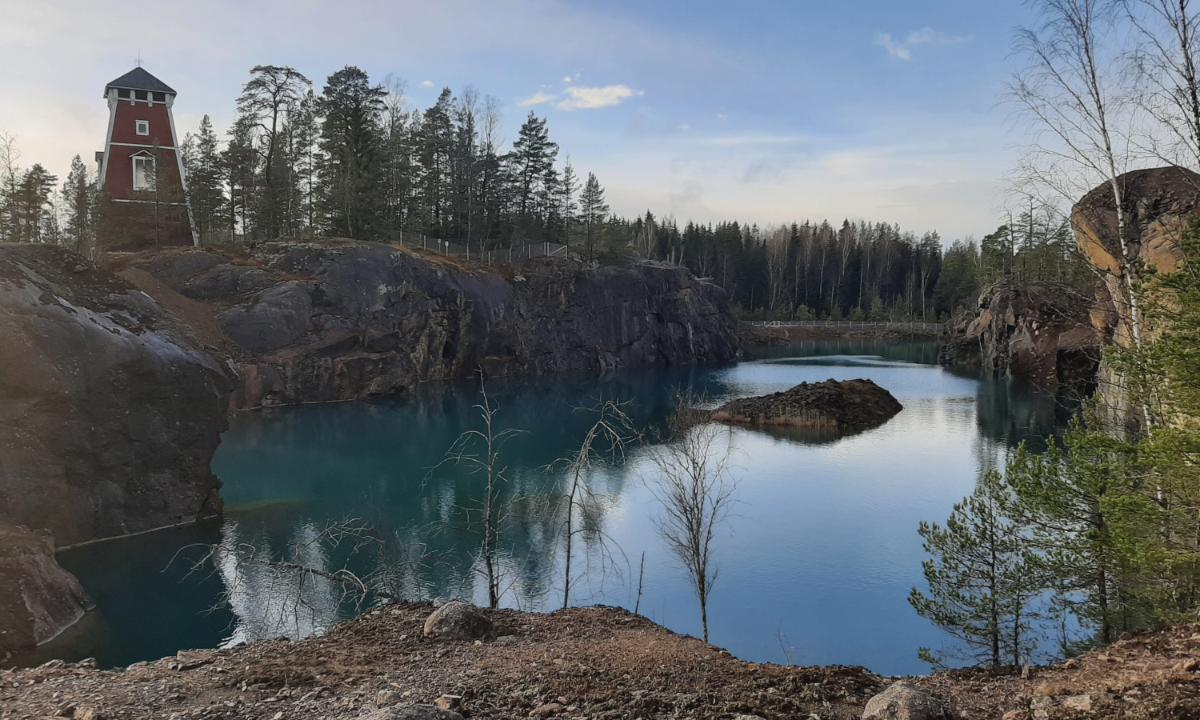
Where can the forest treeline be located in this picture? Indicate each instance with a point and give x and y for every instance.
(354, 159)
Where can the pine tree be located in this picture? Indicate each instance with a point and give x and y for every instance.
(306, 130)
(240, 162)
(531, 158)
(77, 204)
(436, 146)
(980, 578)
(33, 208)
(592, 211)
(568, 185)
(268, 99)
(206, 184)
(351, 148)
(1067, 499)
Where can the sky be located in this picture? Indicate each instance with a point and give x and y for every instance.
(760, 111)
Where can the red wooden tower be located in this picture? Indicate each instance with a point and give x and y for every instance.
(141, 170)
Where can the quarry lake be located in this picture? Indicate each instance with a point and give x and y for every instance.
(816, 557)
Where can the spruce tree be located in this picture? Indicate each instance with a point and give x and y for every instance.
(77, 204)
(206, 184)
(592, 212)
(351, 154)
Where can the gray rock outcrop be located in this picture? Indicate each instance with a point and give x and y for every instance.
(109, 419)
(37, 597)
(312, 322)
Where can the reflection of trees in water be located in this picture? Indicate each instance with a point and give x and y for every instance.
(1012, 412)
(269, 599)
(925, 352)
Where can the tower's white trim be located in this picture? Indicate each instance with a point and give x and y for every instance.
(112, 119)
(182, 177)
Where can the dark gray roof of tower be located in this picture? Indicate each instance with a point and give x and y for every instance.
(139, 79)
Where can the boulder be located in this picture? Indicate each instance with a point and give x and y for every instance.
(337, 320)
(1157, 205)
(904, 701)
(458, 620)
(38, 599)
(832, 406)
(411, 712)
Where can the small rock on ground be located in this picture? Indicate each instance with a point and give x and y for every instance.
(458, 620)
(902, 701)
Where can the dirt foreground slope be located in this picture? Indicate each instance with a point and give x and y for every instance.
(586, 663)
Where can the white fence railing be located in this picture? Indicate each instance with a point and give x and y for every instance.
(913, 328)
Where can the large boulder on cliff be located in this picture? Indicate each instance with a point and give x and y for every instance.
(831, 407)
(340, 320)
(110, 414)
(1040, 333)
(1157, 204)
(37, 597)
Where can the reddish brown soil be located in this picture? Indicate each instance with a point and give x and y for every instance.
(596, 663)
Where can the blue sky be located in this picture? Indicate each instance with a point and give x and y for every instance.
(759, 111)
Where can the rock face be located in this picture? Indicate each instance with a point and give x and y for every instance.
(312, 322)
(37, 597)
(1157, 204)
(1040, 334)
(458, 620)
(110, 414)
(109, 419)
(902, 701)
(831, 406)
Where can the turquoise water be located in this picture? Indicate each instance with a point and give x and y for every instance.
(816, 557)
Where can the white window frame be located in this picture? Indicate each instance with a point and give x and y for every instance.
(141, 127)
(145, 182)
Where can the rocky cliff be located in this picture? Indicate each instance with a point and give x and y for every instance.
(1052, 336)
(1041, 334)
(313, 322)
(110, 413)
(1157, 204)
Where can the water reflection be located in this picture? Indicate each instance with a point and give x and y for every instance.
(821, 545)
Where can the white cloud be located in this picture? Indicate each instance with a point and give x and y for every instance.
(540, 97)
(902, 49)
(426, 83)
(594, 98)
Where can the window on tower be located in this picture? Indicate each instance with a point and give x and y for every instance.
(142, 127)
(143, 172)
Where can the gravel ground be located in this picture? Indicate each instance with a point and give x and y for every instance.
(584, 663)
